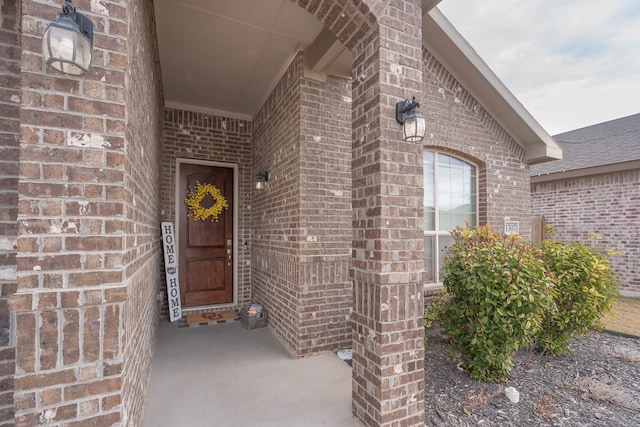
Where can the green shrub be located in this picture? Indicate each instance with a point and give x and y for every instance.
(584, 291)
(499, 293)
(437, 307)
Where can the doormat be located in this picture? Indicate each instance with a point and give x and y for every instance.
(209, 318)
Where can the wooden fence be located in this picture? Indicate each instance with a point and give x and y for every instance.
(537, 228)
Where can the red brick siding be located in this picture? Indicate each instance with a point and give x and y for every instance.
(68, 357)
(276, 209)
(388, 335)
(143, 252)
(325, 215)
(604, 204)
(302, 234)
(459, 125)
(88, 247)
(200, 136)
(302, 220)
(71, 162)
(350, 21)
(325, 167)
(10, 51)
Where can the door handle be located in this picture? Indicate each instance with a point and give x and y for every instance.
(228, 256)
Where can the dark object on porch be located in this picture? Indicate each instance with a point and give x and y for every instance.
(253, 316)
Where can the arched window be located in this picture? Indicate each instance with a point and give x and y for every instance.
(450, 199)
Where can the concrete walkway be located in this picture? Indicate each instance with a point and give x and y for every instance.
(223, 375)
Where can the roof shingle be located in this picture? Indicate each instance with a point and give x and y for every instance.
(607, 143)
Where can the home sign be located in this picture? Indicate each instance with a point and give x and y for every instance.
(171, 271)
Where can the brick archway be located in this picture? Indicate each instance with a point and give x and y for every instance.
(350, 21)
(386, 42)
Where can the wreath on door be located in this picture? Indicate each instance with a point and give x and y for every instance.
(194, 199)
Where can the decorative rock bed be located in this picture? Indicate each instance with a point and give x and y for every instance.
(598, 384)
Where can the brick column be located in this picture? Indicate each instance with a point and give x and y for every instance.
(9, 155)
(388, 343)
(70, 301)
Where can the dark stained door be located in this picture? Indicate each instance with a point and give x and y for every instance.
(205, 246)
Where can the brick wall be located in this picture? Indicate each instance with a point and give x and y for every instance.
(325, 231)
(325, 168)
(459, 125)
(198, 136)
(9, 153)
(68, 356)
(302, 219)
(275, 210)
(605, 204)
(143, 252)
(88, 235)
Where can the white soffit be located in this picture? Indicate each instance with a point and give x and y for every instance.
(226, 56)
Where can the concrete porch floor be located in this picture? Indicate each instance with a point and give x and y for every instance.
(223, 375)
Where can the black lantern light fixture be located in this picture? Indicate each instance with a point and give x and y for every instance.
(67, 43)
(414, 126)
(261, 179)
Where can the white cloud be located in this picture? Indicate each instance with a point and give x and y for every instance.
(572, 63)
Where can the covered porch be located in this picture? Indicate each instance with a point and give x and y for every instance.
(226, 376)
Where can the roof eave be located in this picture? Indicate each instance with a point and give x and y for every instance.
(584, 172)
(427, 5)
(464, 63)
(543, 152)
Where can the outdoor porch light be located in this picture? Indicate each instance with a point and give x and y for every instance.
(413, 124)
(67, 43)
(261, 178)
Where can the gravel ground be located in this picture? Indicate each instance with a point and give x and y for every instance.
(598, 384)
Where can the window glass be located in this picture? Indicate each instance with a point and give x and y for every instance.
(450, 199)
(443, 242)
(428, 258)
(429, 194)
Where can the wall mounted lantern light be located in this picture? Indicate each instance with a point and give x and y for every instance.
(413, 124)
(67, 43)
(261, 179)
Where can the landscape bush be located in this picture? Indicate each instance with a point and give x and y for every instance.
(436, 307)
(499, 294)
(502, 293)
(584, 290)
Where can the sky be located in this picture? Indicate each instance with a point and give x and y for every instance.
(571, 63)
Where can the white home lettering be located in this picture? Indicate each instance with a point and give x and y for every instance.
(171, 271)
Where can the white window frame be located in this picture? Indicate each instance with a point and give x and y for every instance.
(436, 233)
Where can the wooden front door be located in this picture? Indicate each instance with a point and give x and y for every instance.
(205, 246)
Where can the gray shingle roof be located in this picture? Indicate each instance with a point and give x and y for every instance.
(607, 143)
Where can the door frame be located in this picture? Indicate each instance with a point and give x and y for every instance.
(234, 166)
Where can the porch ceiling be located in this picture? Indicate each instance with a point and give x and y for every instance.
(225, 57)
(221, 56)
